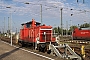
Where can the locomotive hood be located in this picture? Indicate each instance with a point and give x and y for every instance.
(44, 26)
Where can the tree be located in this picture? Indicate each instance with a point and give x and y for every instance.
(86, 25)
(55, 30)
(71, 29)
(59, 30)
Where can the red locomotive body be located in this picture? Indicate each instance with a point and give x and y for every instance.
(36, 34)
(83, 33)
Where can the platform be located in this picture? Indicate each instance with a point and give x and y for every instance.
(8, 52)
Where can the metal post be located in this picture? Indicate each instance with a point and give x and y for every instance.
(71, 30)
(83, 51)
(61, 23)
(11, 26)
(4, 24)
(41, 13)
(8, 25)
(66, 28)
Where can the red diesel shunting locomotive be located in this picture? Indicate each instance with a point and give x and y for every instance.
(39, 36)
(82, 33)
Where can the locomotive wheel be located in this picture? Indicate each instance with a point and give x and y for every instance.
(48, 51)
(21, 43)
(42, 48)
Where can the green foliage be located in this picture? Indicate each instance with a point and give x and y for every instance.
(55, 30)
(72, 28)
(86, 25)
(58, 29)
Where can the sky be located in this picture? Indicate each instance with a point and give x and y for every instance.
(19, 12)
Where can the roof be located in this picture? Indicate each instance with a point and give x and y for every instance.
(30, 23)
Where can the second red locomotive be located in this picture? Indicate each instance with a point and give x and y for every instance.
(39, 36)
(82, 33)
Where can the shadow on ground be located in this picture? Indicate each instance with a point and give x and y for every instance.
(8, 53)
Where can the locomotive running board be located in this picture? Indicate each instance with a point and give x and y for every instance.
(71, 55)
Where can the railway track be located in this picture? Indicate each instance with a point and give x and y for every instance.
(73, 44)
(78, 51)
(76, 45)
